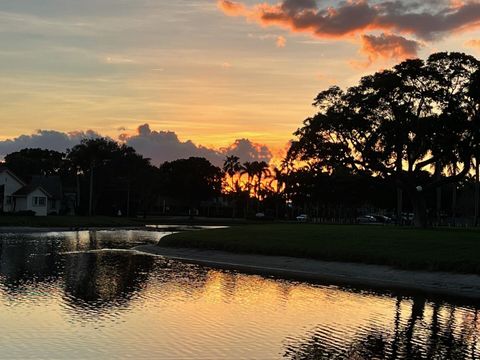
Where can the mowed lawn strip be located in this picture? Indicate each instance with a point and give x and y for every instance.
(452, 250)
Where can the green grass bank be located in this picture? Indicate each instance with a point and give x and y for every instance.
(452, 250)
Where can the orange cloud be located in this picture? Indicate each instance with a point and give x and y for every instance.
(232, 8)
(388, 46)
(426, 20)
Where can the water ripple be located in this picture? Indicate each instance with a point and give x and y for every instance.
(87, 296)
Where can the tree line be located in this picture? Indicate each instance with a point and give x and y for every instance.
(401, 140)
(109, 178)
(416, 125)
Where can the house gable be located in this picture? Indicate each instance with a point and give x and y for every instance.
(9, 185)
(29, 189)
(37, 201)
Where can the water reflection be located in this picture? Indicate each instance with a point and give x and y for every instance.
(61, 296)
(101, 280)
(22, 262)
(419, 330)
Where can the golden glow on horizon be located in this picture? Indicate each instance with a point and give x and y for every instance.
(179, 66)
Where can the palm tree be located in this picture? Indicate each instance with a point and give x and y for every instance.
(261, 170)
(248, 168)
(276, 186)
(232, 167)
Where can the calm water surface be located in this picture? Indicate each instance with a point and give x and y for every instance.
(62, 295)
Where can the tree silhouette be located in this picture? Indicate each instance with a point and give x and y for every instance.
(191, 180)
(115, 172)
(28, 162)
(232, 168)
(398, 124)
(474, 92)
(275, 188)
(261, 171)
(87, 156)
(249, 169)
(232, 188)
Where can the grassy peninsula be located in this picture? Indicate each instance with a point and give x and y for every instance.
(452, 250)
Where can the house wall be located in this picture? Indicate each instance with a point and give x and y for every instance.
(54, 206)
(11, 185)
(39, 209)
(21, 204)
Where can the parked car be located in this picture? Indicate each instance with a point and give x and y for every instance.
(302, 217)
(366, 219)
(374, 219)
(382, 219)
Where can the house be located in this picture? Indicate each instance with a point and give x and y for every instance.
(9, 184)
(52, 185)
(43, 195)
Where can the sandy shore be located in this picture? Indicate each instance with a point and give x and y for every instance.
(374, 276)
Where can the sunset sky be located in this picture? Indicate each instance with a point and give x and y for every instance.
(207, 71)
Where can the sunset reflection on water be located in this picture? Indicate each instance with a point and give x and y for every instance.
(56, 302)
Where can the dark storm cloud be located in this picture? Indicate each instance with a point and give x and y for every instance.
(426, 20)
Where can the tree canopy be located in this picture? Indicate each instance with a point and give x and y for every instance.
(28, 162)
(192, 180)
(419, 116)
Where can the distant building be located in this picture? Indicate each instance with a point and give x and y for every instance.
(43, 195)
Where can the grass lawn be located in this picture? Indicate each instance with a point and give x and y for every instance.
(454, 250)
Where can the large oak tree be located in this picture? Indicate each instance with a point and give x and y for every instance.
(420, 117)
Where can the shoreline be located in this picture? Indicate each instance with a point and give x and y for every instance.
(328, 272)
(379, 277)
(149, 228)
(47, 229)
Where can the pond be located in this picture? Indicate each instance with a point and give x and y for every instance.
(84, 295)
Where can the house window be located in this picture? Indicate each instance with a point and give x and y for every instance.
(9, 200)
(39, 201)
